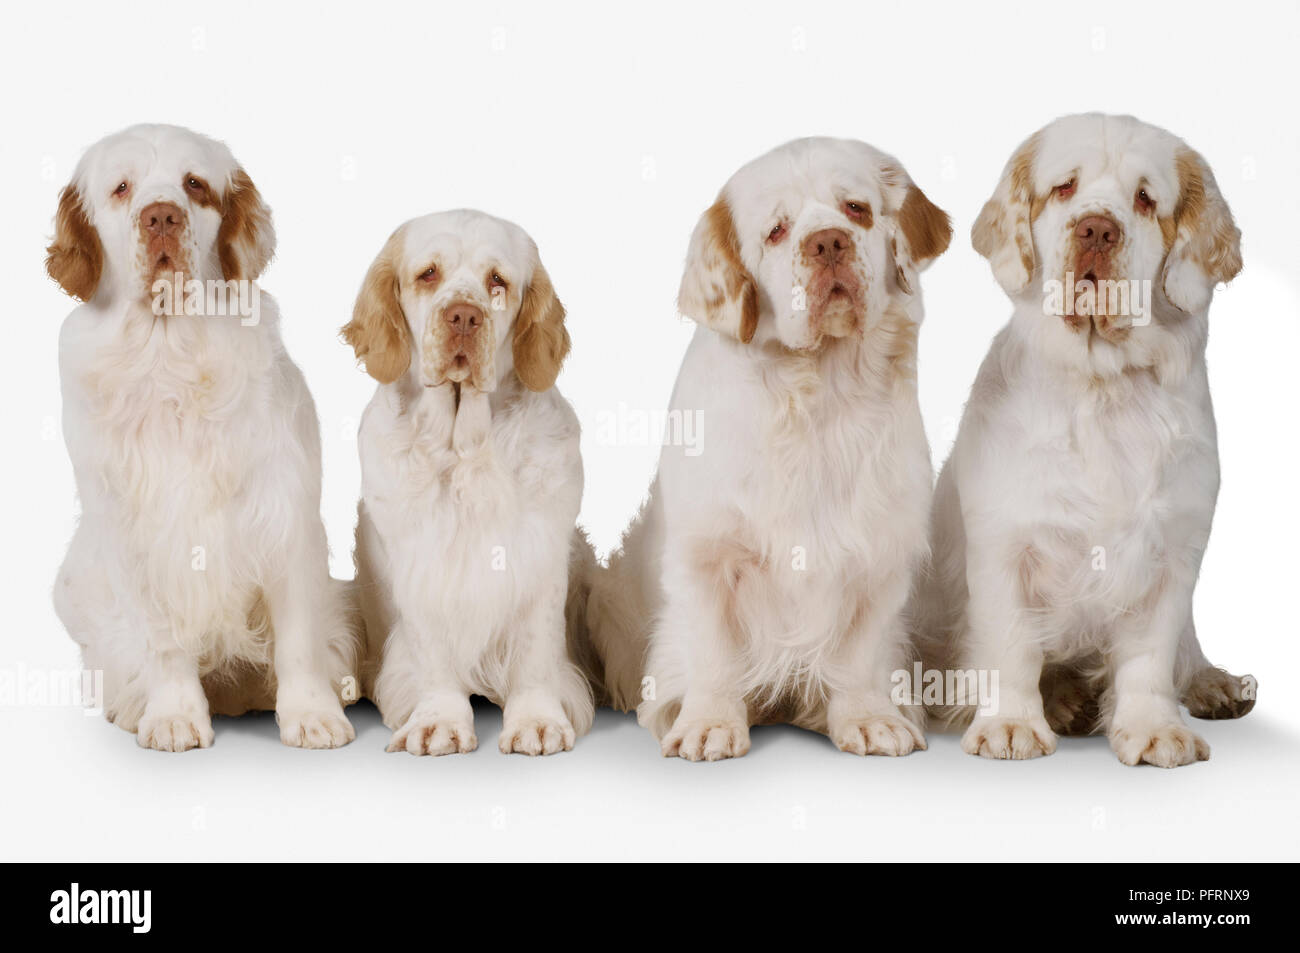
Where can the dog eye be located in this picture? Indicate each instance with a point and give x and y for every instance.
(857, 210)
(776, 234)
(1066, 190)
(1144, 202)
(428, 274)
(121, 188)
(195, 185)
(496, 281)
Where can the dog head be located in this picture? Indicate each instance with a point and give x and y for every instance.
(1110, 210)
(152, 202)
(808, 243)
(459, 297)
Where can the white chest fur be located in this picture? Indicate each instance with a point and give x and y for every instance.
(468, 524)
(1115, 489)
(170, 423)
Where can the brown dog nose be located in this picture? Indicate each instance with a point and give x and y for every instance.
(162, 218)
(828, 246)
(463, 317)
(1097, 232)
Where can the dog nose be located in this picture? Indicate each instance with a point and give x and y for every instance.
(1097, 232)
(463, 317)
(162, 218)
(828, 245)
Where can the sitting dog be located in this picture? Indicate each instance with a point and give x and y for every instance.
(471, 483)
(1070, 520)
(766, 577)
(198, 577)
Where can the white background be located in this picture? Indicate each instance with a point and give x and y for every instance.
(605, 130)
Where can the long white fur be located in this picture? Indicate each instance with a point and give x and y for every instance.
(200, 560)
(467, 521)
(765, 578)
(1071, 517)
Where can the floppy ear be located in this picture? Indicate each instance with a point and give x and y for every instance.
(923, 234)
(716, 290)
(1207, 244)
(378, 332)
(541, 341)
(75, 259)
(246, 238)
(925, 226)
(1002, 231)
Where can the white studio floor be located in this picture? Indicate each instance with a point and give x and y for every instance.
(80, 789)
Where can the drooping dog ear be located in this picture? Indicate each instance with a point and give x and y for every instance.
(75, 259)
(717, 290)
(378, 331)
(246, 238)
(1002, 233)
(925, 226)
(921, 230)
(540, 338)
(1206, 247)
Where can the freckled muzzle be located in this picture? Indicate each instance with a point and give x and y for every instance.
(1097, 242)
(1100, 293)
(833, 282)
(458, 346)
(163, 228)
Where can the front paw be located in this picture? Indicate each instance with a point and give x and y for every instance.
(890, 735)
(1015, 739)
(431, 734)
(1069, 705)
(533, 735)
(706, 739)
(315, 728)
(174, 731)
(1166, 746)
(1214, 693)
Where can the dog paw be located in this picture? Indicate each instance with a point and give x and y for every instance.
(1015, 739)
(174, 731)
(1069, 706)
(536, 735)
(706, 739)
(430, 734)
(889, 735)
(1165, 746)
(314, 729)
(1214, 693)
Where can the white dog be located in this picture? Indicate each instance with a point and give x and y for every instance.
(1070, 520)
(766, 577)
(197, 580)
(471, 483)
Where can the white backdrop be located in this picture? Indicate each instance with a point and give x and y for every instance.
(604, 130)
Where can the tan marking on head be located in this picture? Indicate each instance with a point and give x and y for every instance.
(925, 226)
(246, 238)
(378, 331)
(717, 290)
(1202, 209)
(1206, 248)
(540, 339)
(75, 258)
(1168, 231)
(1002, 231)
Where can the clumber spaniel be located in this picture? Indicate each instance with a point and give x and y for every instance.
(197, 579)
(471, 483)
(1070, 520)
(766, 576)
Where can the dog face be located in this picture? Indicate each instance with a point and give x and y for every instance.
(461, 297)
(153, 201)
(807, 244)
(1107, 207)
